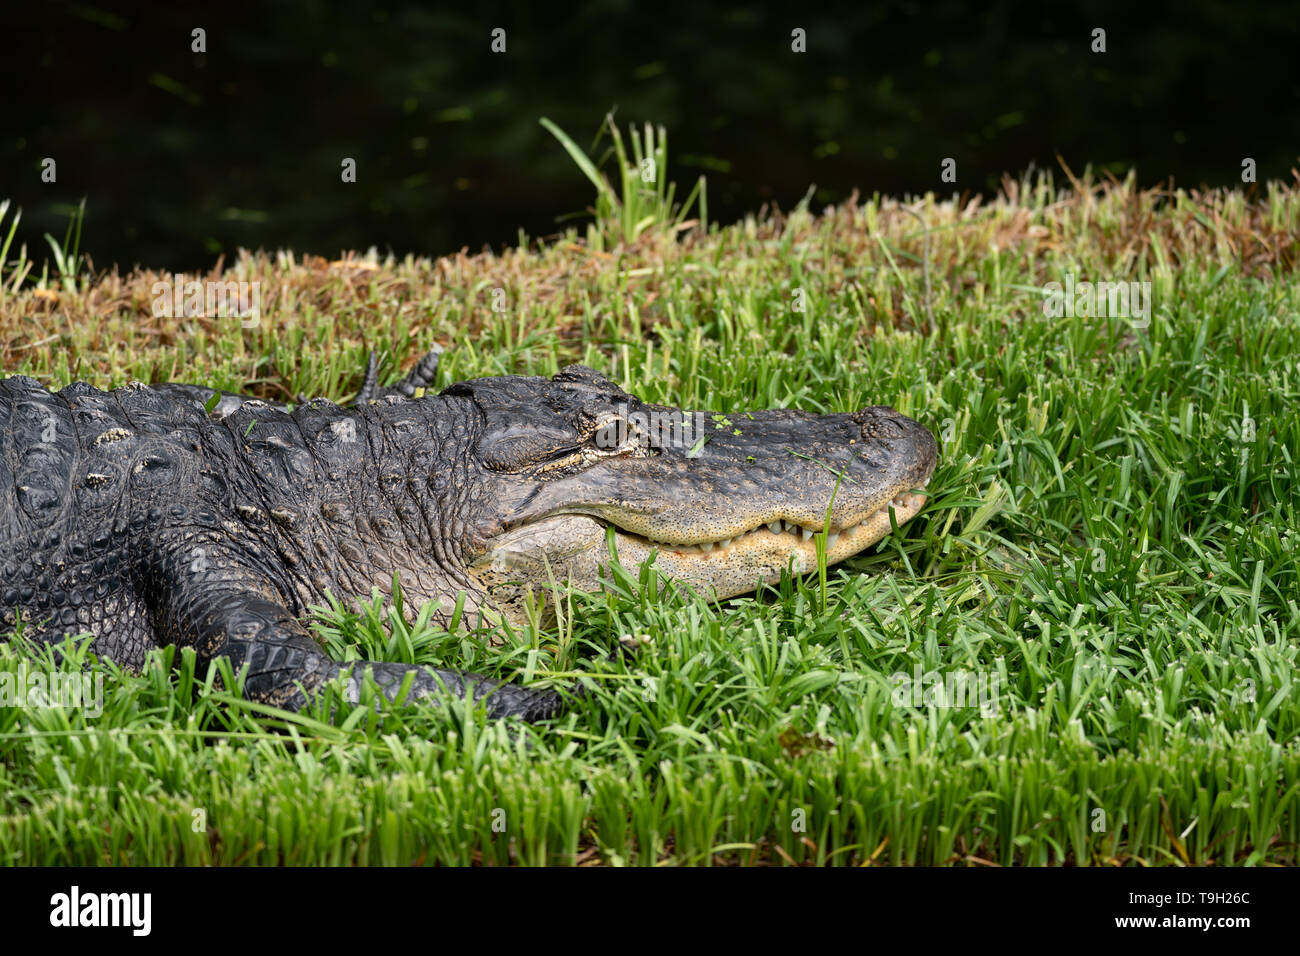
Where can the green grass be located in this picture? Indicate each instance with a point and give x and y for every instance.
(1112, 539)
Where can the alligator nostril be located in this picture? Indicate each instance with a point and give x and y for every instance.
(881, 422)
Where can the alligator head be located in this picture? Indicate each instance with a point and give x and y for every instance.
(572, 463)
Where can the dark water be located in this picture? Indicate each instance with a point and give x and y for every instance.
(183, 155)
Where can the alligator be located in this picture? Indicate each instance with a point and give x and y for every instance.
(165, 514)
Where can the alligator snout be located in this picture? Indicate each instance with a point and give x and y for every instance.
(901, 439)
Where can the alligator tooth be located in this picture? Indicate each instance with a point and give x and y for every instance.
(831, 539)
(725, 543)
(774, 527)
(806, 533)
(707, 546)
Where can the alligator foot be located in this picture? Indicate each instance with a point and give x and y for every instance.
(500, 698)
(421, 376)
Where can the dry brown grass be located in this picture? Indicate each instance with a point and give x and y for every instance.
(561, 289)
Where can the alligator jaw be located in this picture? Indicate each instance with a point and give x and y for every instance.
(791, 537)
(572, 547)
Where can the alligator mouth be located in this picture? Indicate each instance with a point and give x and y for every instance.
(573, 544)
(790, 536)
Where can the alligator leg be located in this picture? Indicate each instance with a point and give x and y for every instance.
(286, 666)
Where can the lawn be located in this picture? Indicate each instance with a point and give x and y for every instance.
(1109, 552)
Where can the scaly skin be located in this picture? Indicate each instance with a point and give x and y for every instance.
(135, 516)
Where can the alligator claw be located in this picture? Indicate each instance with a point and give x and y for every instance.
(369, 383)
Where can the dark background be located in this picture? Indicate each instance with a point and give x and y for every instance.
(182, 156)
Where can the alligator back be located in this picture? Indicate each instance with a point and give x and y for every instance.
(85, 479)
